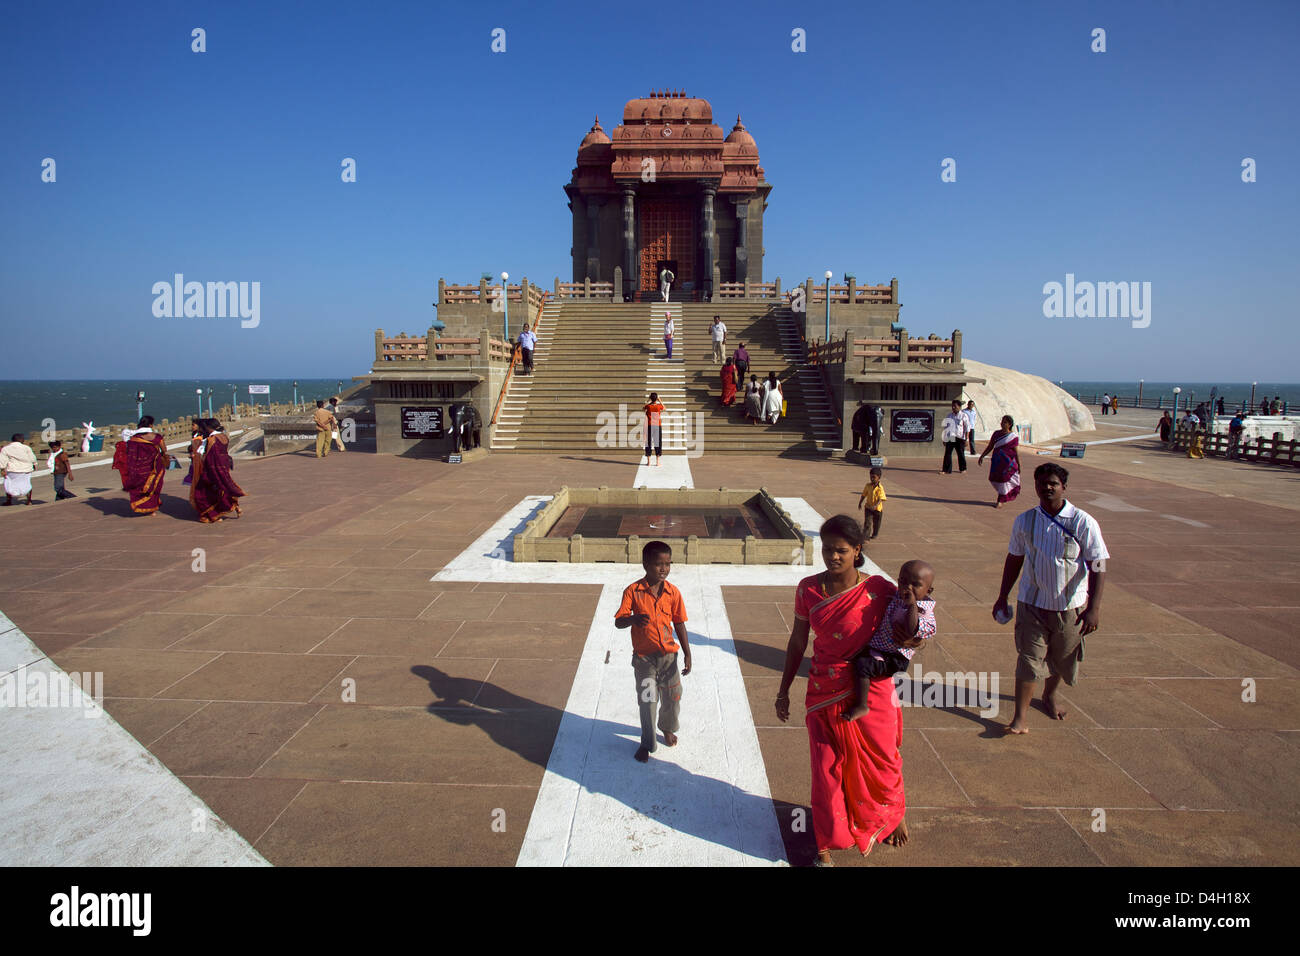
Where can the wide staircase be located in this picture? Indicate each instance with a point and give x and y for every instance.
(596, 363)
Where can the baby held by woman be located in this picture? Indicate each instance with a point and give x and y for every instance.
(910, 615)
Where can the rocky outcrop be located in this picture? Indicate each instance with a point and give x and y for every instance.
(1029, 399)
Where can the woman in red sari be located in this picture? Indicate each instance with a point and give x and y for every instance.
(857, 770)
(142, 460)
(728, 383)
(213, 491)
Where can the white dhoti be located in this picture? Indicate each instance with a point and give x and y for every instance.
(18, 483)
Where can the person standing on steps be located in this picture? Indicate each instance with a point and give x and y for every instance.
(718, 330)
(741, 358)
(654, 441)
(668, 333)
(666, 278)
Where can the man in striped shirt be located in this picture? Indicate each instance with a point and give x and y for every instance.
(1063, 556)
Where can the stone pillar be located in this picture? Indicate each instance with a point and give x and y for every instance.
(778, 287)
(616, 293)
(629, 240)
(902, 346)
(593, 238)
(379, 345)
(710, 190)
(742, 240)
(956, 346)
(853, 289)
(483, 290)
(893, 291)
(442, 291)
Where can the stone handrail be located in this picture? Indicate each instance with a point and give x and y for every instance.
(903, 348)
(587, 289)
(406, 348)
(852, 293)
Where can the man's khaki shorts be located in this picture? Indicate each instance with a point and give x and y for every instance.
(1048, 642)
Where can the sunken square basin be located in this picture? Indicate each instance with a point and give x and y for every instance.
(611, 525)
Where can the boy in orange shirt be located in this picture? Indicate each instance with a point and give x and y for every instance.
(653, 609)
(654, 441)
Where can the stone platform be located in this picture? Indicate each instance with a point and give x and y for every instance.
(334, 705)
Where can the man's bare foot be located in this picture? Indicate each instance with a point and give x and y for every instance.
(670, 739)
(997, 504)
(1053, 711)
(642, 754)
(823, 858)
(1017, 726)
(899, 837)
(857, 712)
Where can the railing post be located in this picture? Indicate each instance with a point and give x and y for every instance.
(586, 287)
(379, 345)
(893, 292)
(956, 346)
(485, 346)
(616, 293)
(430, 349)
(777, 289)
(557, 287)
(902, 346)
(748, 296)
(853, 290)
(717, 280)
(482, 290)
(442, 291)
(523, 299)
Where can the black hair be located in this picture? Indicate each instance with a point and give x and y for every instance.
(846, 528)
(1049, 469)
(320, 403)
(875, 472)
(209, 425)
(146, 421)
(654, 396)
(652, 550)
(17, 437)
(1009, 420)
(56, 443)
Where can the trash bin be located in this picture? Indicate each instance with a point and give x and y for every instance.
(96, 443)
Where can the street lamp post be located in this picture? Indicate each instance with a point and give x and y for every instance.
(1252, 393)
(199, 393)
(505, 304)
(233, 409)
(1141, 382)
(209, 401)
(828, 305)
(295, 394)
(1173, 431)
(139, 405)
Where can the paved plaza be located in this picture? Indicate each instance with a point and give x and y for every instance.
(355, 678)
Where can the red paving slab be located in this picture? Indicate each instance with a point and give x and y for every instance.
(337, 707)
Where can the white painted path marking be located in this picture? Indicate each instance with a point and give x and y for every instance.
(705, 802)
(81, 791)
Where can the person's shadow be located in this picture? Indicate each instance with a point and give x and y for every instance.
(598, 757)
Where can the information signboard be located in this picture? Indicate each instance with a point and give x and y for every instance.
(422, 421)
(911, 424)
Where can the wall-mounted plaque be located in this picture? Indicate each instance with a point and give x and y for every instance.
(422, 421)
(911, 424)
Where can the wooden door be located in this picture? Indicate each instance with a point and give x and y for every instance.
(667, 232)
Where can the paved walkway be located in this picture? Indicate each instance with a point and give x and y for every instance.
(333, 705)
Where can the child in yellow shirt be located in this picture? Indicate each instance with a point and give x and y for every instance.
(873, 500)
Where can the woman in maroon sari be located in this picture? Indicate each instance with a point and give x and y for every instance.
(213, 491)
(728, 383)
(142, 460)
(857, 770)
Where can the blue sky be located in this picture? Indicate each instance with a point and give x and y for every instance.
(1115, 166)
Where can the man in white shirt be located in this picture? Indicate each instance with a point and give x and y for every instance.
(971, 418)
(1105, 404)
(955, 428)
(719, 332)
(1063, 556)
(666, 278)
(17, 462)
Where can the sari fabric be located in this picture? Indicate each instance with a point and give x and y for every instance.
(213, 492)
(857, 770)
(142, 460)
(1004, 467)
(728, 384)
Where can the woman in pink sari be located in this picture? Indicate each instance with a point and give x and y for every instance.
(1004, 468)
(213, 491)
(857, 770)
